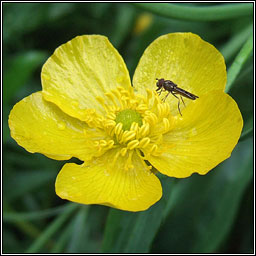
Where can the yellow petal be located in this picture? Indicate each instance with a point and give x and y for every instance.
(40, 126)
(79, 71)
(184, 58)
(105, 181)
(205, 136)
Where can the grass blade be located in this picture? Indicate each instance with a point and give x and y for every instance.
(239, 62)
(51, 229)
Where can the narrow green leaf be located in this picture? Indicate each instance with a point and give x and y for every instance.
(239, 62)
(199, 13)
(51, 229)
(128, 232)
(235, 43)
(25, 227)
(62, 240)
(247, 129)
(242, 233)
(37, 215)
(77, 238)
(204, 207)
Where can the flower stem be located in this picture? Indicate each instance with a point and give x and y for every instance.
(198, 13)
(239, 61)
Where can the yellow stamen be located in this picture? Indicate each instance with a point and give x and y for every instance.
(133, 144)
(143, 130)
(134, 126)
(118, 129)
(111, 96)
(127, 135)
(166, 125)
(111, 116)
(128, 164)
(123, 151)
(132, 122)
(144, 142)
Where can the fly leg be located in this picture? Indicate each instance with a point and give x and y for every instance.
(159, 89)
(174, 94)
(166, 96)
(182, 101)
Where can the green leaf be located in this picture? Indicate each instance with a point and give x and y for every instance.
(21, 183)
(77, 236)
(239, 61)
(247, 129)
(241, 237)
(36, 215)
(19, 70)
(242, 92)
(199, 13)
(51, 229)
(198, 206)
(63, 238)
(204, 207)
(128, 232)
(236, 42)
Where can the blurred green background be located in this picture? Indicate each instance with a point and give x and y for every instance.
(199, 214)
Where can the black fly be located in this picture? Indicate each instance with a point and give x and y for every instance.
(173, 88)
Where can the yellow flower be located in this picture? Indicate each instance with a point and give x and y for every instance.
(89, 110)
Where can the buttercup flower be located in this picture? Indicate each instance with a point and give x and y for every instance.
(88, 109)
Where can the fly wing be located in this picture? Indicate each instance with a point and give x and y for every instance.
(185, 94)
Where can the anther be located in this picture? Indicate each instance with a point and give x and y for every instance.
(142, 108)
(134, 126)
(133, 144)
(152, 118)
(166, 124)
(144, 142)
(143, 130)
(111, 96)
(123, 151)
(111, 116)
(153, 149)
(110, 144)
(109, 123)
(118, 128)
(103, 143)
(127, 135)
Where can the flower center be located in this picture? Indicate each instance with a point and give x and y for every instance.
(127, 117)
(132, 123)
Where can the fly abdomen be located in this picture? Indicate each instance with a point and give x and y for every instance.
(185, 93)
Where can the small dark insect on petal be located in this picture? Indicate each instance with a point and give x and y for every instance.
(171, 87)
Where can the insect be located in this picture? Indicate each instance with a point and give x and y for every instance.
(173, 88)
